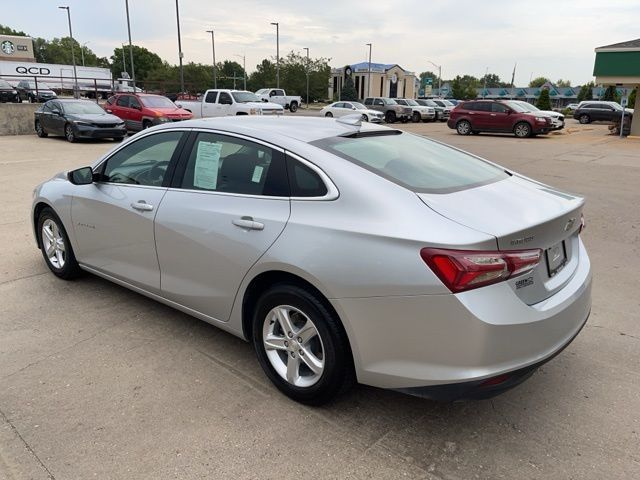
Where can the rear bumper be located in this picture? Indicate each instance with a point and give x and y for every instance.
(440, 340)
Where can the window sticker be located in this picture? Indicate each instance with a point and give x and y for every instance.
(207, 165)
(257, 174)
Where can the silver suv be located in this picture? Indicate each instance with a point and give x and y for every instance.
(390, 108)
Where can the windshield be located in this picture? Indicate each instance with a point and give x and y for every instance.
(529, 107)
(5, 84)
(262, 91)
(156, 101)
(389, 101)
(413, 103)
(41, 86)
(81, 107)
(447, 103)
(358, 106)
(244, 97)
(517, 107)
(414, 162)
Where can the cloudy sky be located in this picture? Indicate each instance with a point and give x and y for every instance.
(553, 38)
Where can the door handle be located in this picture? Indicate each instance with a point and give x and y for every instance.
(248, 223)
(493, 114)
(142, 206)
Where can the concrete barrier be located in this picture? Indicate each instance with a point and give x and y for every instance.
(17, 118)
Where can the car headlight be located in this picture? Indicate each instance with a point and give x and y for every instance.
(121, 124)
(541, 119)
(80, 122)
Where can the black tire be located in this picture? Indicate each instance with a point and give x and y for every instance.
(584, 119)
(404, 120)
(338, 373)
(293, 108)
(475, 132)
(70, 269)
(522, 130)
(390, 117)
(69, 134)
(40, 130)
(463, 127)
(416, 117)
(146, 124)
(365, 118)
(328, 114)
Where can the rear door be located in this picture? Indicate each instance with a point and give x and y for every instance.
(120, 108)
(209, 104)
(227, 204)
(480, 114)
(135, 113)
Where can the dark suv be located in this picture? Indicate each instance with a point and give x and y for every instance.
(596, 111)
(391, 110)
(501, 116)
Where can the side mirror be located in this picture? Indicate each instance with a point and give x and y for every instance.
(353, 108)
(508, 112)
(265, 100)
(55, 111)
(81, 176)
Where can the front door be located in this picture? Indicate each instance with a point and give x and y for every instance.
(225, 208)
(223, 107)
(500, 118)
(113, 218)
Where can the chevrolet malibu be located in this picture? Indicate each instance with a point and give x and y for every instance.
(342, 251)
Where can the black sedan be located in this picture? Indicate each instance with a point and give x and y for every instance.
(8, 93)
(77, 119)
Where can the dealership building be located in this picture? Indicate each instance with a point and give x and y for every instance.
(16, 49)
(387, 80)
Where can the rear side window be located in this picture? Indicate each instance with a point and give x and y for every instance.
(303, 181)
(416, 163)
(368, 101)
(211, 97)
(123, 101)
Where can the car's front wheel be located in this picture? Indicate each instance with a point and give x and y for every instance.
(463, 127)
(328, 114)
(390, 117)
(69, 134)
(40, 130)
(584, 119)
(55, 246)
(301, 345)
(416, 117)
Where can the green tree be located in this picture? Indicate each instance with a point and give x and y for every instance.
(544, 101)
(458, 90)
(538, 82)
(432, 75)
(632, 98)
(348, 91)
(610, 94)
(493, 81)
(585, 92)
(5, 30)
(264, 76)
(144, 62)
(563, 83)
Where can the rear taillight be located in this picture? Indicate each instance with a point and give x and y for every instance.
(462, 270)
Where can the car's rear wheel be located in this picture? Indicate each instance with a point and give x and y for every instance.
(69, 134)
(416, 117)
(584, 119)
(390, 117)
(522, 130)
(301, 345)
(40, 130)
(55, 246)
(463, 127)
(293, 108)
(328, 114)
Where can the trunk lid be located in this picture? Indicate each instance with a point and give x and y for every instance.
(521, 214)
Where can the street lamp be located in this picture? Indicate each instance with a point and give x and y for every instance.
(369, 75)
(73, 55)
(244, 70)
(213, 49)
(307, 49)
(277, 53)
(439, 76)
(82, 51)
(180, 49)
(133, 70)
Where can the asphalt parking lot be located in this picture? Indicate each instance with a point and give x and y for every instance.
(99, 382)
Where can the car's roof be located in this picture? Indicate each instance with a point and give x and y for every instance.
(71, 100)
(268, 128)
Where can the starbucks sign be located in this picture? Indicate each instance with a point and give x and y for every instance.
(8, 47)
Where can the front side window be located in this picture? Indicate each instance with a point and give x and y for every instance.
(414, 162)
(143, 162)
(499, 108)
(378, 101)
(123, 101)
(219, 163)
(134, 103)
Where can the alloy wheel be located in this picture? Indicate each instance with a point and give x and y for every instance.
(68, 133)
(463, 127)
(522, 130)
(53, 244)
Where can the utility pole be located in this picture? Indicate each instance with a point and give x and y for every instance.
(244, 73)
(180, 49)
(307, 49)
(439, 67)
(369, 74)
(124, 67)
(133, 71)
(82, 51)
(213, 50)
(277, 53)
(73, 55)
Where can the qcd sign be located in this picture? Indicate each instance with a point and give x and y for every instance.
(33, 70)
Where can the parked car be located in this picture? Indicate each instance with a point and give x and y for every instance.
(33, 93)
(222, 103)
(572, 107)
(442, 113)
(557, 119)
(280, 97)
(77, 119)
(142, 110)
(8, 94)
(600, 111)
(342, 252)
(391, 110)
(497, 116)
(339, 109)
(447, 103)
(419, 112)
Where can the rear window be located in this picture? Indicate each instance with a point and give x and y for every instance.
(419, 164)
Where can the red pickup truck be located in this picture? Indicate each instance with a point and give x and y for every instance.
(141, 110)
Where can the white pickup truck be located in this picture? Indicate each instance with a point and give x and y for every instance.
(279, 96)
(220, 103)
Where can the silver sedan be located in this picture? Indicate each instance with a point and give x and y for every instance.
(343, 251)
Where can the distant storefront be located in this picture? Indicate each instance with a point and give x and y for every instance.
(387, 80)
(16, 49)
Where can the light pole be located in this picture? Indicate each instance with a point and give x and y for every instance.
(73, 55)
(369, 74)
(180, 49)
(439, 76)
(213, 50)
(124, 67)
(307, 49)
(133, 71)
(277, 53)
(82, 51)
(244, 70)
